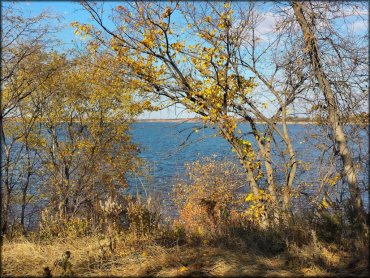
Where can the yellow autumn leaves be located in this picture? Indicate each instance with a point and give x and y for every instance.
(258, 205)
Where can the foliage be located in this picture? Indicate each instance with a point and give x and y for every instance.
(258, 206)
(209, 198)
(213, 74)
(144, 217)
(51, 227)
(73, 135)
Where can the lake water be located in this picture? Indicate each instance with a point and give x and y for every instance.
(167, 146)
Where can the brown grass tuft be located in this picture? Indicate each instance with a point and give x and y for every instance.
(26, 258)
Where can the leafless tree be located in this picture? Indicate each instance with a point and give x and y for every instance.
(339, 66)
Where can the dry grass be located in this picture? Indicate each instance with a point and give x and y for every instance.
(24, 258)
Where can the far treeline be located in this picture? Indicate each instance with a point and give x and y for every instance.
(66, 159)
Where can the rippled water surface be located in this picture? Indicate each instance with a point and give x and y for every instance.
(167, 146)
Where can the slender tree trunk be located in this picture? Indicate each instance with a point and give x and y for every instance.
(23, 212)
(24, 201)
(249, 171)
(6, 194)
(292, 164)
(25, 188)
(5, 212)
(266, 153)
(2, 141)
(276, 211)
(356, 207)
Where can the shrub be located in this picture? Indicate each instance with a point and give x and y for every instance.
(208, 198)
(143, 216)
(329, 226)
(55, 226)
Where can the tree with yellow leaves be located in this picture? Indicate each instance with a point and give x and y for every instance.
(86, 151)
(68, 141)
(200, 68)
(25, 67)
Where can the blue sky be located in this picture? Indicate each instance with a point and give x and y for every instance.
(73, 11)
(69, 12)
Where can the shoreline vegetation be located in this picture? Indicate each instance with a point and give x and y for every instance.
(209, 237)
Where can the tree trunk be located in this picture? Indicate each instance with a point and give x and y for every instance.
(239, 151)
(292, 164)
(248, 170)
(356, 207)
(5, 212)
(24, 202)
(25, 188)
(6, 194)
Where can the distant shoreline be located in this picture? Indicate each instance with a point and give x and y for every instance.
(198, 120)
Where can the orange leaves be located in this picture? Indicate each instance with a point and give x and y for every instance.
(183, 269)
(93, 47)
(208, 195)
(177, 46)
(166, 13)
(324, 204)
(208, 35)
(229, 123)
(74, 24)
(121, 8)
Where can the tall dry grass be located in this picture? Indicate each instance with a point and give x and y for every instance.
(26, 258)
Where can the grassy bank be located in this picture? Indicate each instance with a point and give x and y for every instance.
(243, 253)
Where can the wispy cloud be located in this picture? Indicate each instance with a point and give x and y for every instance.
(268, 22)
(359, 26)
